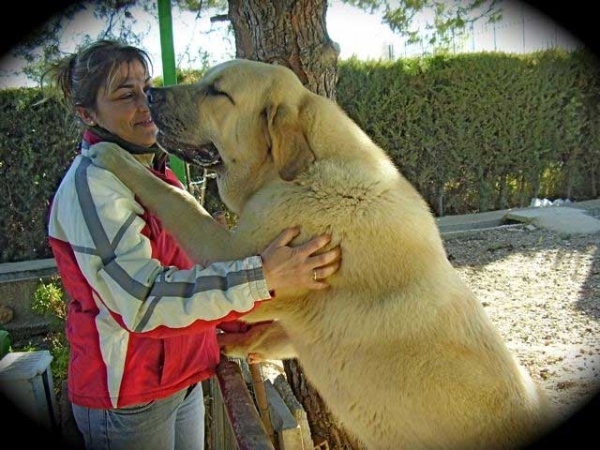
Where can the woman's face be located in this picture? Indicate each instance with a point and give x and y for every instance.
(122, 107)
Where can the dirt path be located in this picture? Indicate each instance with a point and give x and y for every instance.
(542, 290)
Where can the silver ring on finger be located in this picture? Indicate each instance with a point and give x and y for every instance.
(315, 275)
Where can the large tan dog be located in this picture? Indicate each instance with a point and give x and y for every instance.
(399, 347)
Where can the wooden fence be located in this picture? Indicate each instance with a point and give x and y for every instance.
(248, 411)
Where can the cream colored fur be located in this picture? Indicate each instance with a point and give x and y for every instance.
(399, 348)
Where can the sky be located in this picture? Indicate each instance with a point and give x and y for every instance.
(358, 34)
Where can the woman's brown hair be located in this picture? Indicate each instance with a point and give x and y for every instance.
(79, 76)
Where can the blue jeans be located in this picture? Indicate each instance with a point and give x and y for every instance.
(171, 423)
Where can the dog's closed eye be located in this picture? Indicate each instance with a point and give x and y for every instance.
(214, 91)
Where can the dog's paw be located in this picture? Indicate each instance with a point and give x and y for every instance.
(108, 155)
(233, 345)
(256, 358)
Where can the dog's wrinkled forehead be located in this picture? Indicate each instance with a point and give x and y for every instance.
(252, 76)
(244, 68)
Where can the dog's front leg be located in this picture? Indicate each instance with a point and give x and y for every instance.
(263, 341)
(202, 237)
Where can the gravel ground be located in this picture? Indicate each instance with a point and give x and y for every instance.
(542, 290)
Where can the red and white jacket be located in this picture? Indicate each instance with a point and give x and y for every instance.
(142, 317)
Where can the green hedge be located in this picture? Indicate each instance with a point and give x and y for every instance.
(479, 132)
(37, 143)
(473, 132)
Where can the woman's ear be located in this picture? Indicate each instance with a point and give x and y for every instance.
(86, 116)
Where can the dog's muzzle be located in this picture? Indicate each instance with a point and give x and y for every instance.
(203, 155)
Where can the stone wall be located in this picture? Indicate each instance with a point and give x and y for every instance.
(18, 283)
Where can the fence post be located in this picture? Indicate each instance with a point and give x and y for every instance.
(246, 424)
(261, 398)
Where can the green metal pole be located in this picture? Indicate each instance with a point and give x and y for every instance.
(167, 48)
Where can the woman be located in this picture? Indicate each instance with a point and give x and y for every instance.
(142, 317)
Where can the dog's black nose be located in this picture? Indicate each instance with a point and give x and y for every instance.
(155, 95)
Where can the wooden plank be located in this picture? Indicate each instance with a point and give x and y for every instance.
(245, 422)
(289, 434)
(280, 414)
(221, 436)
(285, 391)
(260, 395)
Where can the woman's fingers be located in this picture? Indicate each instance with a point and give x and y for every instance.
(322, 272)
(315, 244)
(325, 265)
(308, 248)
(326, 258)
(288, 266)
(221, 218)
(284, 238)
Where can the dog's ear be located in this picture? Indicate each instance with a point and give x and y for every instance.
(290, 149)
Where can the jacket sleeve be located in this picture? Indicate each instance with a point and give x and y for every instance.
(105, 229)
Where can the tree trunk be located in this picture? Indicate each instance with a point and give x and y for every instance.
(293, 34)
(324, 428)
(290, 33)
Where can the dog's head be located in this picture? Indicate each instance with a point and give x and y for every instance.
(243, 120)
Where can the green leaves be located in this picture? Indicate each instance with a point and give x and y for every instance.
(484, 131)
(37, 143)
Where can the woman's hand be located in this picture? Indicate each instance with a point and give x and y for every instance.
(296, 267)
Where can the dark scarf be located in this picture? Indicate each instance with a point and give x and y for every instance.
(95, 134)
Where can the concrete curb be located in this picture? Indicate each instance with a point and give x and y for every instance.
(573, 218)
(559, 219)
